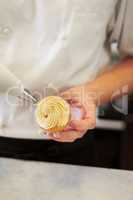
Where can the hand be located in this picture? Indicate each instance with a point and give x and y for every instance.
(77, 96)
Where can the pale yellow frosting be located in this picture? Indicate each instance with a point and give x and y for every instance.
(52, 113)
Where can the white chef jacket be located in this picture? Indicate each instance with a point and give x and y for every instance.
(48, 43)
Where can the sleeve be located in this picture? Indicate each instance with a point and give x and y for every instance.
(126, 37)
(121, 37)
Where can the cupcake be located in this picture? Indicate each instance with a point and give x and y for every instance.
(52, 114)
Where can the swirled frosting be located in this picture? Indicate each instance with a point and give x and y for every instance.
(52, 113)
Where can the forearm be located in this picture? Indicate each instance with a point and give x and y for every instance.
(113, 83)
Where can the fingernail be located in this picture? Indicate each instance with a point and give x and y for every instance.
(56, 135)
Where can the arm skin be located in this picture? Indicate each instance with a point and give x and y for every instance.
(90, 95)
(113, 82)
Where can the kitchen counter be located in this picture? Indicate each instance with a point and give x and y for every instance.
(22, 180)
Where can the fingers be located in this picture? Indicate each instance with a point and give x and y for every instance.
(88, 108)
(67, 136)
(72, 95)
(78, 98)
(88, 122)
(67, 95)
(83, 125)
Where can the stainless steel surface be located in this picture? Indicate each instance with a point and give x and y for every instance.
(116, 125)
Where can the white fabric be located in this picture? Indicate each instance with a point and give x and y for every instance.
(44, 42)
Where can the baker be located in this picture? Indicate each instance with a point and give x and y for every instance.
(59, 45)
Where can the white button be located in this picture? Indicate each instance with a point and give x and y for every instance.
(114, 49)
(4, 30)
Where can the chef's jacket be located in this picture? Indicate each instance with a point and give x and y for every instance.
(50, 44)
